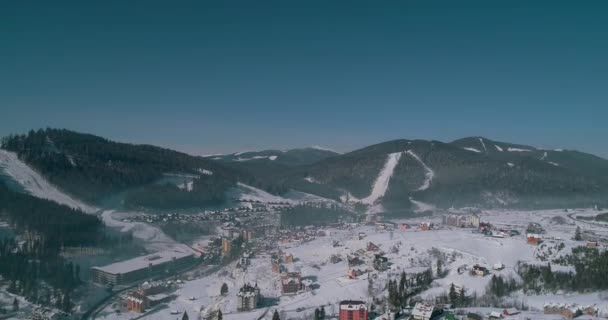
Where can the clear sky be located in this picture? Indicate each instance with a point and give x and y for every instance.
(224, 76)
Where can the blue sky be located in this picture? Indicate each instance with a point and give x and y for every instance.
(224, 76)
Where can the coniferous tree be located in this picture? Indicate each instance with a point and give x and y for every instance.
(224, 289)
(577, 234)
(275, 315)
(15, 305)
(219, 314)
(185, 316)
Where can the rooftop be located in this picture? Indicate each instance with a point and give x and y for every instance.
(180, 251)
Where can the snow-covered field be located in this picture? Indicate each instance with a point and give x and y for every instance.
(35, 184)
(407, 250)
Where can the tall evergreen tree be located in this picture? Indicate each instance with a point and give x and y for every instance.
(185, 316)
(275, 315)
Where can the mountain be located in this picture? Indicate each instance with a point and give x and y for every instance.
(292, 157)
(467, 172)
(94, 169)
(83, 171)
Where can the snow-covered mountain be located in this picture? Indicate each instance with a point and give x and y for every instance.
(399, 175)
(292, 157)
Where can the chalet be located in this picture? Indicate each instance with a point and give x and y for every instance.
(498, 266)
(479, 271)
(494, 315)
(592, 244)
(372, 247)
(510, 312)
(355, 272)
(380, 262)
(147, 296)
(423, 311)
(425, 226)
(248, 297)
(533, 238)
(291, 283)
(353, 310)
(567, 311)
(404, 226)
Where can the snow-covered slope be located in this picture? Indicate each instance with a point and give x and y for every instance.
(35, 184)
(429, 173)
(381, 184)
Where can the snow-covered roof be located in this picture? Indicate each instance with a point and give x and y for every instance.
(179, 251)
(423, 310)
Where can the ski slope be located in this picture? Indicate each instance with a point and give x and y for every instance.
(35, 184)
(153, 238)
(429, 173)
(381, 185)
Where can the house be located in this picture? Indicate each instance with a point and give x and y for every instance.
(592, 244)
(568, 311)
(355, 272)
(291, 283)
(404, 226)
(480, 271)
(288, 258)
(510, 312)
(248, 297)
(372, 247)
(494, 315)
(533, 238)
(148, 295)
(380, 262)
(353, 310)
(426, 226)
(226, 246)
(498, 266)
(423, 311)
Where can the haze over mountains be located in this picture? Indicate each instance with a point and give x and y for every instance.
(400, 176)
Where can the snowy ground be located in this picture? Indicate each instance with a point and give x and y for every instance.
(408, 250)
(153, 238)
(35, 184)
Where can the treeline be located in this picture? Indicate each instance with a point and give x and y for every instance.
(207, 191)
(590, 266)
(409, 285)
(93, 168)
(42, 279)
(34, 267)
(53, 224)
(313, 214)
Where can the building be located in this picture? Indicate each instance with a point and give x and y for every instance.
(148, 295)
(480, 271)
(226, 246)
(247, 235)
(291, 283)
(144, 267)
(570, 311)
(372, 247)
(533, 238)
(380, 262)
(461, 221)
(592, 244)
(248, 297)
(510, 312)
(423, 311)
(425, 226)
(353, 310)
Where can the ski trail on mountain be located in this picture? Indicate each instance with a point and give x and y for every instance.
(422, 206)
(381, 183)
(429, 173)
(483, 144)
(35, 184)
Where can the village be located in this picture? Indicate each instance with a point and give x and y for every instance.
(345, 270)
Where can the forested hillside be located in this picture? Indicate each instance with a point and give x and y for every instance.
(93, 168)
